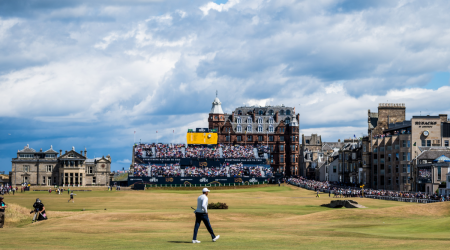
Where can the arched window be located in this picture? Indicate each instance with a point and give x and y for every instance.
(260, 128)
(260, 112)
(271, 112)
(271, 129)
(249, 120)
(271, 120)
(288, 112)
(238, 120)
(239, 112)
(249, 128)
(239, 128)
(281, 112)
(260, 120)
(287, 121)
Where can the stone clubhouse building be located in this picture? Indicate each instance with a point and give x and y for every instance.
(49, 168)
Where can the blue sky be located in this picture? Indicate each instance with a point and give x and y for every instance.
(90, 73)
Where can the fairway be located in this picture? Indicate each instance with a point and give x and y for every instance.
(272, 217)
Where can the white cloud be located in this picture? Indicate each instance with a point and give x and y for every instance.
(218, 7)
(144, 65)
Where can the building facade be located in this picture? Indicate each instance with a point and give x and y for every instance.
(432, 167)
(275, 126)
(49, 168)
(315, 156)
(395, 142)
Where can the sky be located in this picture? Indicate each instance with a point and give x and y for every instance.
(87, 74)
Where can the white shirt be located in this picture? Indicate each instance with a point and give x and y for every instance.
(202, 204)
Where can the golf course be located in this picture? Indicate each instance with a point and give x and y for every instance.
(268, 217)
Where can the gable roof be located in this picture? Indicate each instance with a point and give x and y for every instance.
(433, 154)
(78, 155)
(50, 150)
(27, 149)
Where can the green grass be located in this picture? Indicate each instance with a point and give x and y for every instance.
(258, 218)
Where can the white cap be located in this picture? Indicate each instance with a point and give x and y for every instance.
(206, 190)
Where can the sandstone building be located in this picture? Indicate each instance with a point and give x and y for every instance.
(275, 126)
(49, 168)
(396, 142)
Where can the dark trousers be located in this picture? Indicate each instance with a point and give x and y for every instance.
(2, 219)
(199, 217)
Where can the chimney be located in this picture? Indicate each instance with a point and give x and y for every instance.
(85, 153)
(66, 151)
(339, 140)
(443, 117)
(81, 152)
(60, 152)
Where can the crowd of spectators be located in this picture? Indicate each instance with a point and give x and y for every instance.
(205, 172)
(226, 170)
(167, 170)
(160, 150)
(359, 192)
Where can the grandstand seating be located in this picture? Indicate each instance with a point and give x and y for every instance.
(160, 150)
(226, 170)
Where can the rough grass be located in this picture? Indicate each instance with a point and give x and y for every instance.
(257, 218)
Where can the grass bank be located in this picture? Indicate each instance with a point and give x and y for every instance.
(268, 217)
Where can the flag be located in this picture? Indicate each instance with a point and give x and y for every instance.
(156, 131)
(135, 132)
(354, 135)
(414, 144)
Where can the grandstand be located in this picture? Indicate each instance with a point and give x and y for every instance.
(181, 163)
(160, 150)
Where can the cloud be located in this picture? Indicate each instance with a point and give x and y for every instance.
(218, 7)
(84, 73)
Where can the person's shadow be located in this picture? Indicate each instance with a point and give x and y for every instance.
(188, 242)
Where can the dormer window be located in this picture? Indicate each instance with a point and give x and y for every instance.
(249, 128)
(239, 128)
(249, 120)
(238, 120)
(281, 112)
(260, 112)
(271, 112)
(239, 112)
(288, 112)
(287, 121)
(260, 120)
(271, 120)
(260, 128)
(271, 129)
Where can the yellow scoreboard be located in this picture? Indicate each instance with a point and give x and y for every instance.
(201, 138)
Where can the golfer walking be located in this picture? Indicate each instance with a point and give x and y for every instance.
(71, 197)
(2, 212)
(201, 214)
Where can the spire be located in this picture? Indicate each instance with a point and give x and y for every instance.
(216, 106)
(294, 122)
